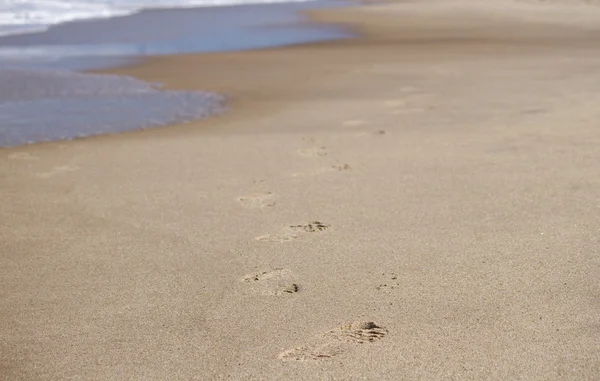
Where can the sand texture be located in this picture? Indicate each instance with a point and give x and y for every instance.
(422, 202)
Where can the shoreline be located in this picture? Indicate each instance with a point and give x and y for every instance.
(40, 29)
(367, 33)
(417, 203)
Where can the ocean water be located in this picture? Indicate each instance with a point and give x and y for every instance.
(101, 43)
(26, 16)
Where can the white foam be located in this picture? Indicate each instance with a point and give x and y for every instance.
(26, 16)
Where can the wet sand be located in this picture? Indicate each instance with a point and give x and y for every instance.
(418, 203)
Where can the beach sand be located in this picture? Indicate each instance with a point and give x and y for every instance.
(421, 202)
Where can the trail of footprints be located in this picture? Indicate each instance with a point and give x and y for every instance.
(282, 282)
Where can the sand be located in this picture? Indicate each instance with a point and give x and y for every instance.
(418, 203)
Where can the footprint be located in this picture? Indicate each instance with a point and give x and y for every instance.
(313, 152)
(311, 227)
(258, 200)
(336, 341)
(293, 232)
(57, 170)
(365, 134)
(22, 156)
(312, 352)
(389, 284)
(275, 282)
(358, 332)
(341, 167)
(276, 238)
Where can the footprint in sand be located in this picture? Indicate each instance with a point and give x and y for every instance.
(341, 167)
(22, 156)
(275, 282)
(293, 232)
(258, 200)
(313, 152)
(336, 341)
(365, 134)
(391, 282)
(57, 170)
(320, 171)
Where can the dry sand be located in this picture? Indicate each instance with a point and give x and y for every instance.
(419, 203)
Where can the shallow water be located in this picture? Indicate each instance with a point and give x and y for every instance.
(45, 105)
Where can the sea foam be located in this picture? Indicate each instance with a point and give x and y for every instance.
(26, 16)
